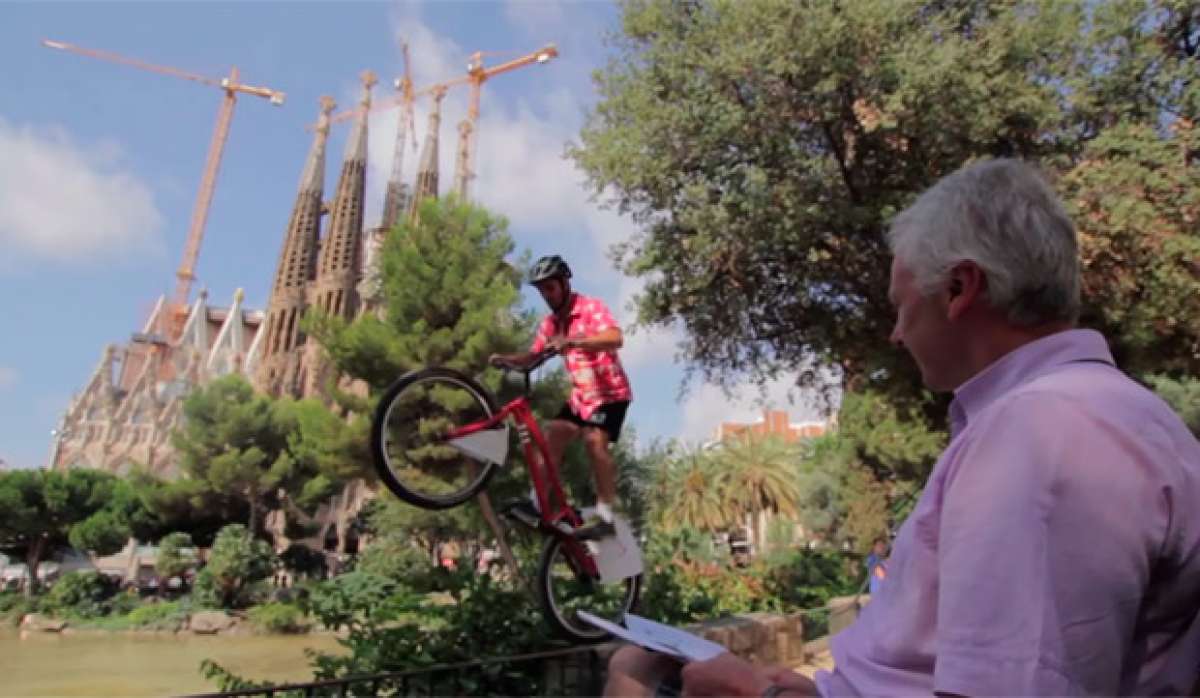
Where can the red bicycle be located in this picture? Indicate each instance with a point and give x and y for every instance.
(438, 438)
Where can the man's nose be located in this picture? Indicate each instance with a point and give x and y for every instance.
(895, 338)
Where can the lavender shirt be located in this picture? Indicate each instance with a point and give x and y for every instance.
(1055, 549)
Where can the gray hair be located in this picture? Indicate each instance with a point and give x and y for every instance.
(1002, 215)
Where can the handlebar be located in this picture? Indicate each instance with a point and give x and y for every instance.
(538, 359)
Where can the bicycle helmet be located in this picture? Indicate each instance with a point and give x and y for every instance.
(548, 268)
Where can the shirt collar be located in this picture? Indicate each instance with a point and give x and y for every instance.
(1021, 365)
(572, 309)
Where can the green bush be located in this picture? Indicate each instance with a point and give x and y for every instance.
(236, 567)
(14, 605)
(303, 560)
(124, 603)
(388, 627)
(80, 594)
(167, 615)
(280, 618)
(688, 592)
(393, 557)
(809, 578)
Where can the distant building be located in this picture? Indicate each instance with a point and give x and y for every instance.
(774, 423)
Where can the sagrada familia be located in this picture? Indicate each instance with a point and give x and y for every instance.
(127, 411)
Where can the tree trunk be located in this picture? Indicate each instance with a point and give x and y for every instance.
(253, 523)
(33, 559)
(756, 532)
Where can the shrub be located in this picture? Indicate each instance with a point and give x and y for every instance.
(809, 578)
(280, 618)
(81, 594)
(14, 605)
(688, 592)
(235, 566)
(388, 627)
(393, 557)
(303, 560)
(167, 615)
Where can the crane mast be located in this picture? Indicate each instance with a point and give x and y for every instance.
(231, 86)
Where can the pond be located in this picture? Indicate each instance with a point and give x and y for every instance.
(93, 663)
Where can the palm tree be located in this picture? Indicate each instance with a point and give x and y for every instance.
(761, 477)
(691, 493)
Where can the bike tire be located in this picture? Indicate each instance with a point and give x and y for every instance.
(561, 617)
(386, 459)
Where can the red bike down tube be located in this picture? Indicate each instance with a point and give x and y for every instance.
(542, 471)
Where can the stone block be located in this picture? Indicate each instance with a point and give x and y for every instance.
(210, 622)
(41, 623)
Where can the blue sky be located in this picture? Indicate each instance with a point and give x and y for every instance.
(99, 166)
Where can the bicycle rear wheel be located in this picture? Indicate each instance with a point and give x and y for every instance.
(412, 453)
(565, 590)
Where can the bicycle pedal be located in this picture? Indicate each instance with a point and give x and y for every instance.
(522, 512)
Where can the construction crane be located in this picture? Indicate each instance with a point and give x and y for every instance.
(394, 199)
(477, 74)
(464, 169)
(231, 86)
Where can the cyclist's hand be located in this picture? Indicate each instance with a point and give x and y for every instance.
(497, 361)
(558, 343)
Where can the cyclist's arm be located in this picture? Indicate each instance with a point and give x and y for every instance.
(605, 340)
(519, 359)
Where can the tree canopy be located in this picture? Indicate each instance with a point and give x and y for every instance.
(44, 511)
(763, 148)
(239, 450)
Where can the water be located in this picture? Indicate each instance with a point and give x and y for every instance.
(129, 664)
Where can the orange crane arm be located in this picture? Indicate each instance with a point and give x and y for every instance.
(116, 58)
(539, 56)
(477, 74)
(275, 96)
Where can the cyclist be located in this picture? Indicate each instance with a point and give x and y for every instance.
(582, 329)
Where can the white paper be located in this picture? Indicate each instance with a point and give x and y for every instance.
(617, 557)
(657, 637)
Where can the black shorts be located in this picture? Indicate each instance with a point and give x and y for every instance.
(608, 417)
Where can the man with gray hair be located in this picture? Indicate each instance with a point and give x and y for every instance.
(1055, 549)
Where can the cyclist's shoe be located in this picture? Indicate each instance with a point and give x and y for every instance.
(596, 531)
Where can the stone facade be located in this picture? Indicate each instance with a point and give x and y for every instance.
(132, 403)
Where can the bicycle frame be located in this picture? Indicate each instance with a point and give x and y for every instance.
(552, 498)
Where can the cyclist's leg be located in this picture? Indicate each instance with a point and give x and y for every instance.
(603, 430)
(559, 434)
(596, 442)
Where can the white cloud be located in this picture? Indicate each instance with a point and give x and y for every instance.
(536, 16)
(707, 405)
(8, 377)
(61, 202)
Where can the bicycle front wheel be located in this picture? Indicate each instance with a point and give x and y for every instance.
(409, 438)
(565, 590)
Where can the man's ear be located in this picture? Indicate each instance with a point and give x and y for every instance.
(965, 287)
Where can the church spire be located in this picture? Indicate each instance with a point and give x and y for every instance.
(340, 261)
(296, 267)
(427, 172)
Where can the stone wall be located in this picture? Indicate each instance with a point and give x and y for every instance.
(770, 638)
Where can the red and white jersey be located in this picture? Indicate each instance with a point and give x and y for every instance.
(596, 376)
